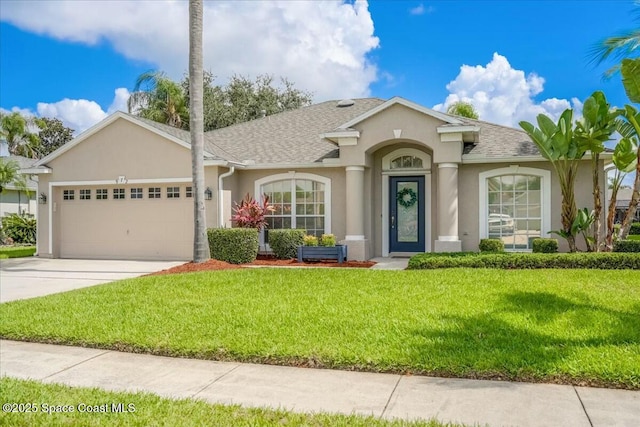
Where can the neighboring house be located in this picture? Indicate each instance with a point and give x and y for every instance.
(13, 200)
(622, 204)
(386, 177)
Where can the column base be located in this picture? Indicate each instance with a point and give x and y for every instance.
(357, 250)
(448, 246)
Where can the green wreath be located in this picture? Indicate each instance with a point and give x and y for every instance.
(403, 201)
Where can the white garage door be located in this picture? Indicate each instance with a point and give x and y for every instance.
(126, 222)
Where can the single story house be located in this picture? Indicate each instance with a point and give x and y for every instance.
(388, 178)
(14, 200)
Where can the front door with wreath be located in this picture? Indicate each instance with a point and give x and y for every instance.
(406, 214)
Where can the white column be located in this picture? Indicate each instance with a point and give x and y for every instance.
(448, 238)
(358, 246)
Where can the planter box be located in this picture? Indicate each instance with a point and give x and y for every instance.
(337, 252)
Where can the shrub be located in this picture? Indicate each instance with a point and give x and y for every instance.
(310, 240)
(545, 246)
(491, 245)
(602, 260)
(233, 245)
(20, 228)
(626, 246)
(328, 240)
(284, 243)
(251, 214)
(635, 228)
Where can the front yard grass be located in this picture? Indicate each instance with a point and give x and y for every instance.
(16, 251)
(571, 326)
(152, 410)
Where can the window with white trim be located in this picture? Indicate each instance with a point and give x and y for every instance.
(188, 192)
(68, 194)
(85, 194)
(118, 193)
(515, 206)
(154, 193)
(136, 193)
(102, 194)
(299, 203)
(406, 162)
(173, 192)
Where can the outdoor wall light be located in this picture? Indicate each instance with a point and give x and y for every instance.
(42, 199)
(208, 194)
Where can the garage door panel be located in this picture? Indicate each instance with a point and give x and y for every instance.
(127, 229)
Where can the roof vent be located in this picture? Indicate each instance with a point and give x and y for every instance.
(346, 103)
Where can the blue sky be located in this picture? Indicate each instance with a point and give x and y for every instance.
(78, 60)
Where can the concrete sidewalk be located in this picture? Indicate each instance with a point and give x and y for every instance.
(493, 403)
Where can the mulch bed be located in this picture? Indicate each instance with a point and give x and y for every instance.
(262, 261)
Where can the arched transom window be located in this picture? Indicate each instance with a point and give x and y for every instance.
(406, 158)
(406, 162)
(299, 202)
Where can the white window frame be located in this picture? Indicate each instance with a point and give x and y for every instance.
(545, 197)
(68, 195)
(121, 193)
(173, 192)
(188, 192)
(85, 194)
(154, 193)
(292, 176)
(102, 194)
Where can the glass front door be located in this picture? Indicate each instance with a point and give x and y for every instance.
(406, 214)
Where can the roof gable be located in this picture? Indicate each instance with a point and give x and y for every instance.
(157, 128)
(396, 100)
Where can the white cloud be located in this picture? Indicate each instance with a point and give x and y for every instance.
(421, 10)
(320, 46)
(81, 114)
(504, 95)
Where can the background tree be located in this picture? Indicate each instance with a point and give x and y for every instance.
(53, 135)
(243, 99)
(9, 175)
(463, 109)
(17, 131)
(200, 242)
(158, 98)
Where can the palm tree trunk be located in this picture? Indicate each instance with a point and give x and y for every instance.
(597, 203)
(569, 210)
(611, 216)
(196, 82)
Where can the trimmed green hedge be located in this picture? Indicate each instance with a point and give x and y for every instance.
(635, 228)
(545, 246)
(284, 243)
(626, 246)
(233, 245)
(491, 245)
(604, 261)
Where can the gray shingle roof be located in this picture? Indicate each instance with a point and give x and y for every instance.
(498, 141)
(288, 137)
(294, 136)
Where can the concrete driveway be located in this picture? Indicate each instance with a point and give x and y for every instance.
(22, 278)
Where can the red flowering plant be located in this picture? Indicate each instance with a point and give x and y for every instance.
(249, 213)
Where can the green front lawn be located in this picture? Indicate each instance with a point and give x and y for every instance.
(16, 251)
(150, 410)
(534, 325)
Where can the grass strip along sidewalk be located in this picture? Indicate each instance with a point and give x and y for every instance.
(566, 326)
(57, 405)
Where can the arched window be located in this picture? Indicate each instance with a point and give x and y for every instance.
(301, 201)
(406, 159)
(406, 162)
(515, 206)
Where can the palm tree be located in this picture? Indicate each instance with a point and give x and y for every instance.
(158, 98)
(196, 125)
(15, 129)
(624, 48)
(463, 109)
(9, 175)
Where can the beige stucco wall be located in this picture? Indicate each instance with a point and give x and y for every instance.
(469, 198)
